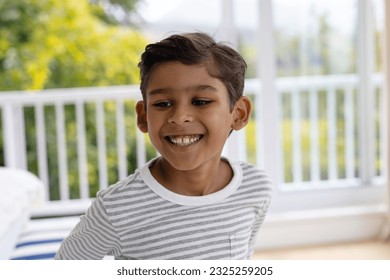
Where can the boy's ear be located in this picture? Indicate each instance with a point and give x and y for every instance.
(141, 116)
(242, 112)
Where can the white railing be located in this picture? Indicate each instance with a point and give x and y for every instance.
(14, 107)
(341, 126)
(318, 123)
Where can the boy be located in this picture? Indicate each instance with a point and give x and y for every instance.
(189, 203)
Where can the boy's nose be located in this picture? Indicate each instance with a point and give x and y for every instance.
(180, 115)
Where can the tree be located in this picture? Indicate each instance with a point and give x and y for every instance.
(114, 11)
(53, 43)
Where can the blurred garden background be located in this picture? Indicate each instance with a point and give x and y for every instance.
(60, 44)
(51, 44)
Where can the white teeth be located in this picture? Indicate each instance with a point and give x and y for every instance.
(184, 140)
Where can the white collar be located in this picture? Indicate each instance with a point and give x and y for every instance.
(176, 198)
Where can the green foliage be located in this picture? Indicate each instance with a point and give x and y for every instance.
(52, 43)
(108, 10)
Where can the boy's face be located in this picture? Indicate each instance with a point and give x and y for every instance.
(186, 114)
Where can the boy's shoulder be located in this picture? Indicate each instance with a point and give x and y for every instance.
(132, 183)
(251, 171)
(258, 183)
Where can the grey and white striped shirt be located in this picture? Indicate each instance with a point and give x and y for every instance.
(137, 218)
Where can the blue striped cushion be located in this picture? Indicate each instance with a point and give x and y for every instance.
(42, 237)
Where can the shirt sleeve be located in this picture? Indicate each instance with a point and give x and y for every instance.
(93, 237)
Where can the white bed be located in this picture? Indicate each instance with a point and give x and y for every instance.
(19, 191)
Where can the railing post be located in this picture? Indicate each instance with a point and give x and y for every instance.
(385, 233)
(228, 30)
(366, 94)
(235, 148)
(269, 97)
(14, 137)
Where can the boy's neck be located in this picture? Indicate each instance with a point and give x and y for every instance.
(204, 180)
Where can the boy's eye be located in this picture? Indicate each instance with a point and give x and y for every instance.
(163, 104)
(200, 102)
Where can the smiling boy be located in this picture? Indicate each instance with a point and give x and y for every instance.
(188, 203)
(187, 115)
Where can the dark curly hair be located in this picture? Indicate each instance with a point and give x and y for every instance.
(221, 61)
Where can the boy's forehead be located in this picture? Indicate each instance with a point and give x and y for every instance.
(173, 77)
(174, 72)
(208, 65)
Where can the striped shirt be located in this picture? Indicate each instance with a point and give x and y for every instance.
(137, 218)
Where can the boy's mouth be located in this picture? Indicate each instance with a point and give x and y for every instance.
(184, 140)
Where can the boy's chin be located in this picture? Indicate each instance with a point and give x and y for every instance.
(187, 164)
(181, 166)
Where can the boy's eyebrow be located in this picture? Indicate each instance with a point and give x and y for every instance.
(190, 88)
(205, 87)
